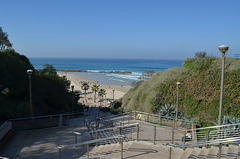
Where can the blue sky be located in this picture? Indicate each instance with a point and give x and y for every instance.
(152, 29)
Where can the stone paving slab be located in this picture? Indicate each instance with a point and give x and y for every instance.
(41, 143)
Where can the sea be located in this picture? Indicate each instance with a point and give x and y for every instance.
(94, 66)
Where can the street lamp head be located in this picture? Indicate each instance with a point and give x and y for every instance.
(72, 86)
(29, 72)
(178, 83)
(223, 48)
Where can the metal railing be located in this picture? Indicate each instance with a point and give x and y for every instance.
(203, 143)
(120, 137)
(214, 135)
(176, 137)
(172, 133)
(130, 132)
(107, 122)
(42, 121)
(217, 132)
(155, 118)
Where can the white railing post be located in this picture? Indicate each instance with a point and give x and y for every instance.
(60, 154)
(137, 132)
(88, 150)
(97, 138)
(121, 148)
(75, 138)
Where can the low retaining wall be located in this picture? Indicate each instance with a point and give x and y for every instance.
(6, 132)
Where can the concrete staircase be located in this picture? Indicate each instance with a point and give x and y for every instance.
(146, 150)
(230, 152)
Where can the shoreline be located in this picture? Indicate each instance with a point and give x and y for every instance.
(77, 80)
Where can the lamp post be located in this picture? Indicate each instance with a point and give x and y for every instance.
(223, 50)
(72, 86)
(178, 83)
(29, 72)
(113, 93)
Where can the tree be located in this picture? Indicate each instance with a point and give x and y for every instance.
(101, 92)
(50, 94)
(147, 75)
(200, 55)
(49, 70)
(85, 87)
(95, 89)
(4, 42)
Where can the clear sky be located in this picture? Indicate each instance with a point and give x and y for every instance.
(155, 29)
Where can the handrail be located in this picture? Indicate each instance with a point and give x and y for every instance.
(55, 115)
(78, 133)
(90, 142)
(211, 127)
(111, 119)
(154, 115)
(115, 118)
(202, 143)
(60, 147)
(163, 126)
(115, 115)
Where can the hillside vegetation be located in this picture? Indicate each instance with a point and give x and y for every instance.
(199, 91)
(50, 93)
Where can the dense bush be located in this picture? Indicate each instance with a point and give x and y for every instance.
(49, 92)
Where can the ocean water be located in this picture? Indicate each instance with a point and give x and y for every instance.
(136, 66)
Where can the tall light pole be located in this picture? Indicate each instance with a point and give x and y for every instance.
(223, 50)
(113, 93)
(72, 86)
(29, 72)
(178, 83)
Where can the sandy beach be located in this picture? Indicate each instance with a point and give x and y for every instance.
(77, 80)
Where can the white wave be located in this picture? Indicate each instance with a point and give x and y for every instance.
(126, 76)
(137, 73)
(97, 71)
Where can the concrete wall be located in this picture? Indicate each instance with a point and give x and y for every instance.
(5, 128)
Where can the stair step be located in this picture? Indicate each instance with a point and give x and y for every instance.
(98, 150)
(203, 153)
(194, 153)
(212, 153)
(186, 153)
(177, 152)
(232, 152)
(224, 152)
(238, 150)
(109, 150)
(117, 151)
